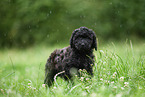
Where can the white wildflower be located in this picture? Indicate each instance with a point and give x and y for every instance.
(29, 83)
(140, 87)
(112, 82)
(101, 51)
(122, 78)
(122, 88)
(82, 78)
(126, 83)
(29, 87)
(87, 87)
(101, 79)
(87, 79)
(43, 85)
(104, 62)
(115, 73)
(54, 87)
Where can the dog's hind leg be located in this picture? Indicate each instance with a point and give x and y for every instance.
(49, 78)
(49, 73)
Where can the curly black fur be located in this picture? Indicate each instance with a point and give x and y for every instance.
(78, 55)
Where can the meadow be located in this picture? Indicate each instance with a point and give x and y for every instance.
(119, 71)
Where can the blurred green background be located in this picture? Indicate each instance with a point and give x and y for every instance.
(24, 23)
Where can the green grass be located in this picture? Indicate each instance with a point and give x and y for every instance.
(119, 71)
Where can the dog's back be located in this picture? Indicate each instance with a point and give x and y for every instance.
(59, 56)
(54, 63)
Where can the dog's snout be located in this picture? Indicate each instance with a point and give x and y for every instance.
(83, 44)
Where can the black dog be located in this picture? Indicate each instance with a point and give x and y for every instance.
(78, 55)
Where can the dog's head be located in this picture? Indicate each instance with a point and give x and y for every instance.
(83, 39)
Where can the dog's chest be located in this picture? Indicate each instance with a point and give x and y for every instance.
(82, 61)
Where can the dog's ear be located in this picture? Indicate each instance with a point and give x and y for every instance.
(94, 45)
(72, 38)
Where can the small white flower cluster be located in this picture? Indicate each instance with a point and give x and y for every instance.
(30, 87)
(82, 78)
(114, 74)
(107, 82)
(112, 82)
(2, 91)
(126, 84)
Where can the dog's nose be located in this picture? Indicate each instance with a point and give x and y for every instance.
(83, 44)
